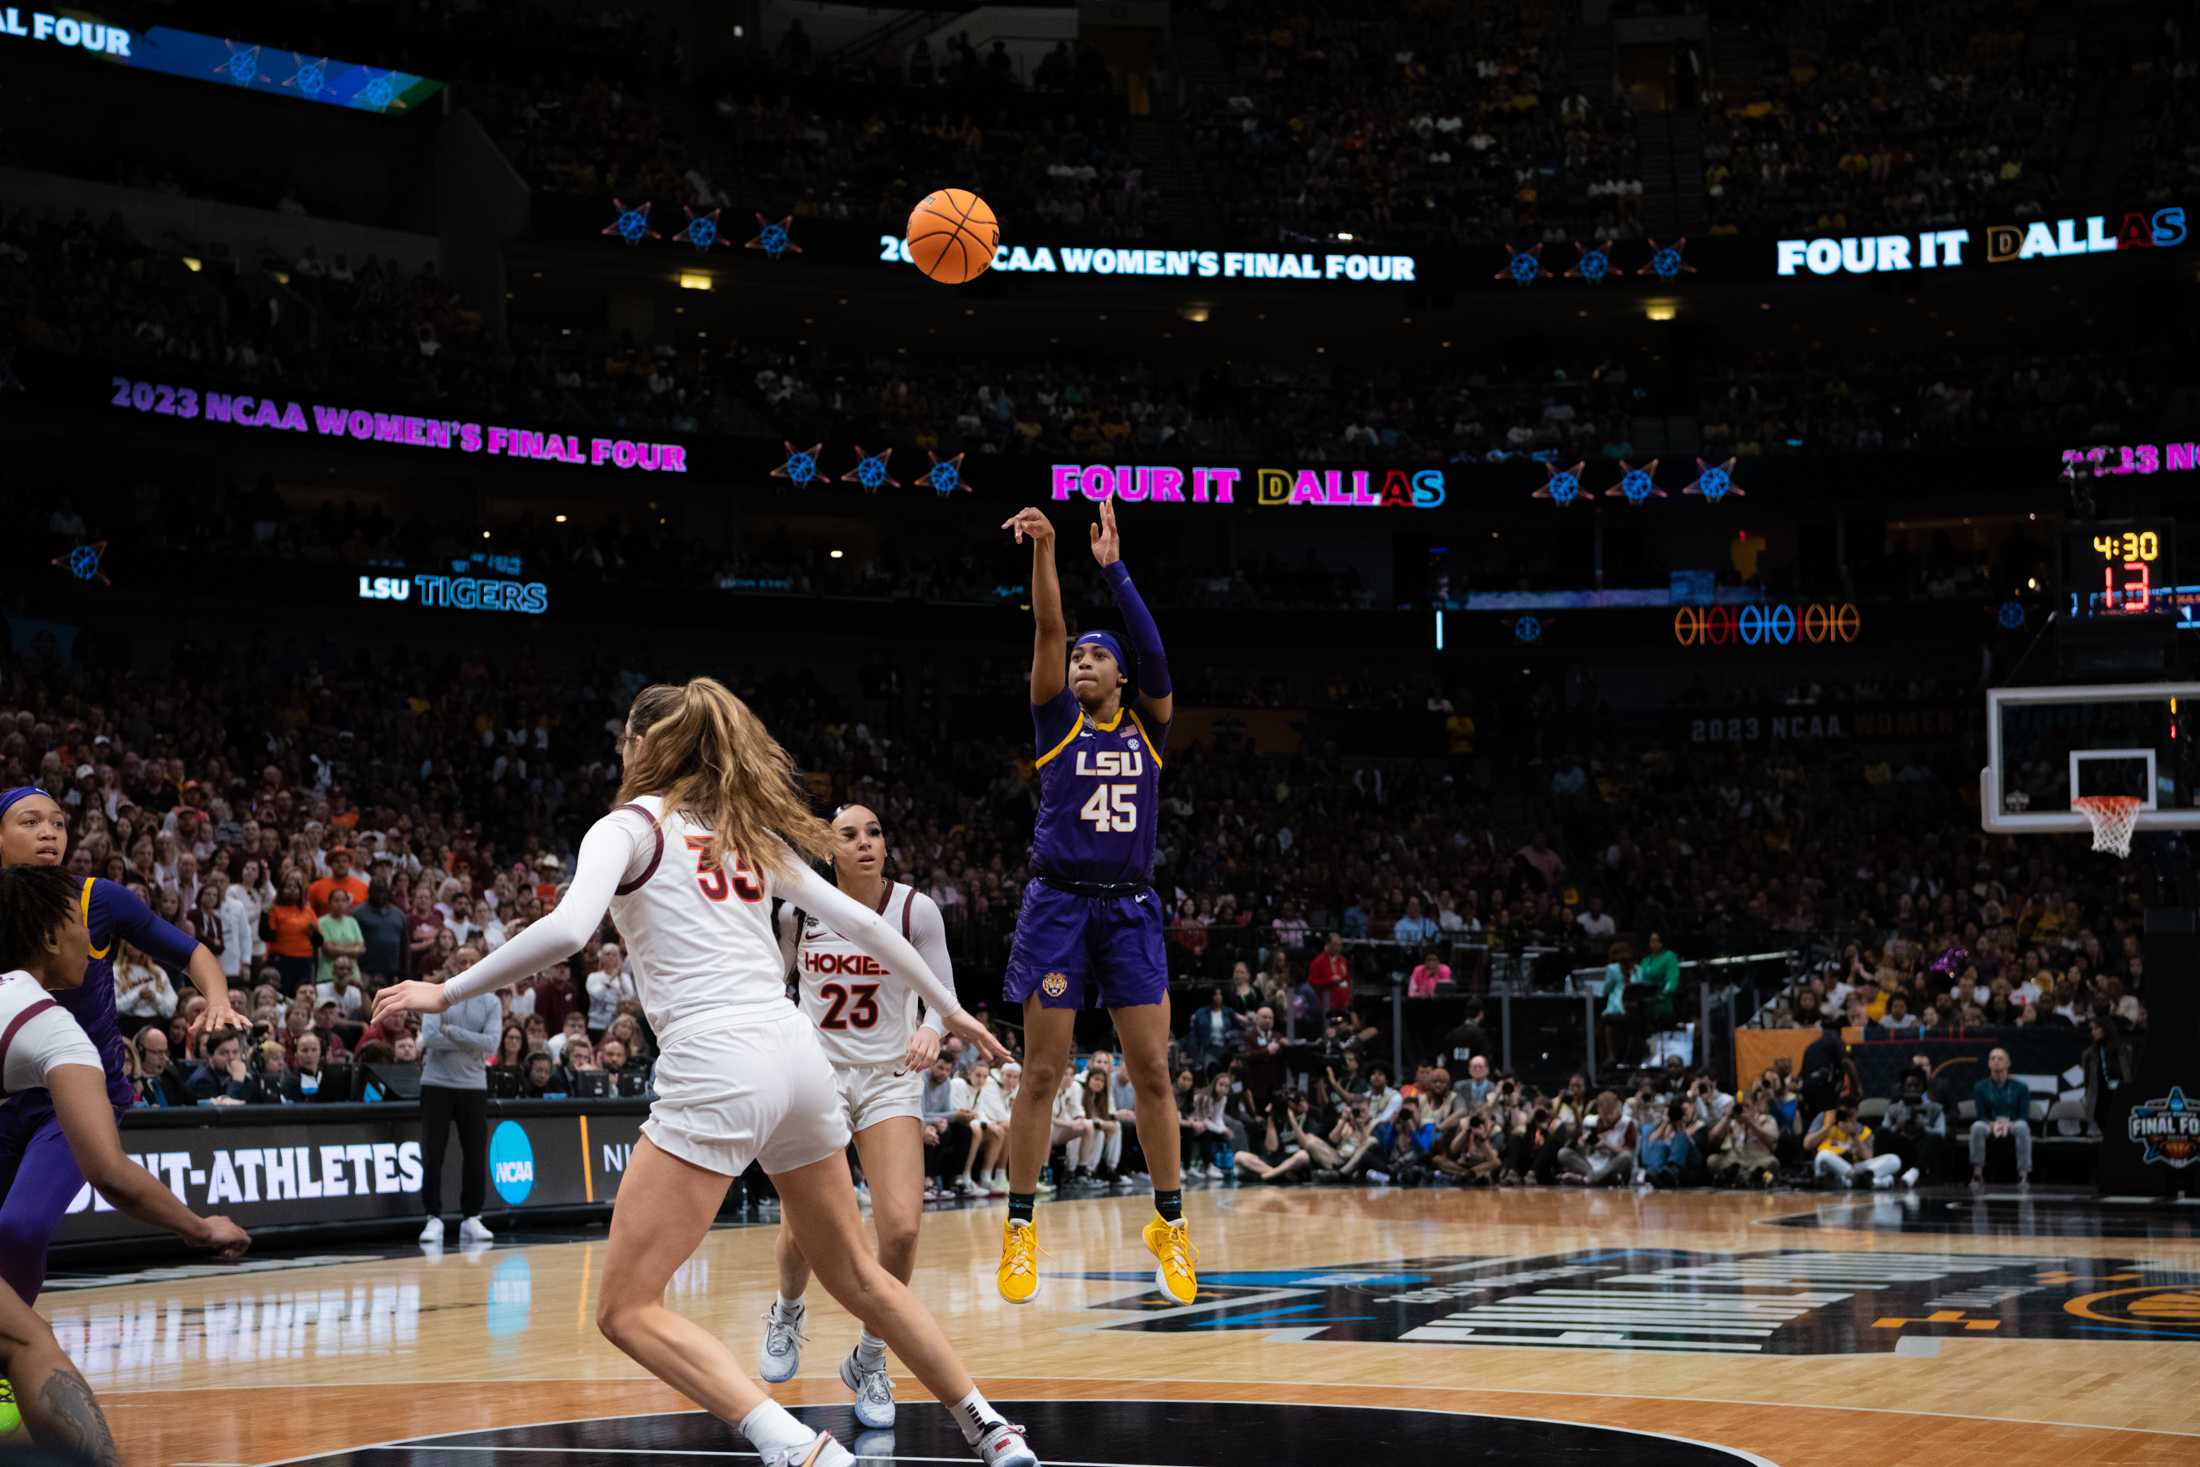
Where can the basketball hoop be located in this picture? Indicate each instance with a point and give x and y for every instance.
(2112, 818)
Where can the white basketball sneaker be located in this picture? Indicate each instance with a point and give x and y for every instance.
(1003, 1446)
(874, 1392)
(433, 1232)
(781, 1356)
(474, 1230)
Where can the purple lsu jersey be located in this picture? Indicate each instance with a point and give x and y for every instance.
(1099, 793)
(113, 914)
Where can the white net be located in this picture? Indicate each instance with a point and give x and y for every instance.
(2113, 818)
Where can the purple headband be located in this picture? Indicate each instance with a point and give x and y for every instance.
(1107, 640)
(20, 792)
(11, 798)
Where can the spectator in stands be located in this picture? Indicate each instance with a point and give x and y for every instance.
(339, 937)
(580, 1059)
(1262, 1037)
(575, 1030)
(1842, 1148)
(143, 993)
(1431, 974)
(1205, 1127)
(2004, 1110)
(1466, 1040)
(1596, 924)
(1919, 1125)
(1476, 1090)
(220, 1076)
(542, 1076)
(382, 933)
(1659, 978)
(158, 1082)
(511, 1046)
(1615, 1024)
(303, 1080)
(1329, 977)
(1243, 998)
(1610, 1158)
(339, 878)
(290, 928)
(609, 983)
(1213, 1032)
(1413, 930)
(1101, 1154)
(994, 1097)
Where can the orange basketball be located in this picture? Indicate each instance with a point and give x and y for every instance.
(952, 235)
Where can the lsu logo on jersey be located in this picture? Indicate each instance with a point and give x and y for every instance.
(1055, 984)
(1112, 763)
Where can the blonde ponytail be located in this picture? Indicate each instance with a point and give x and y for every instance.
(711, 758)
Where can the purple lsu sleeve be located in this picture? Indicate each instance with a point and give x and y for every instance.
(125, 916)
(1052, 720)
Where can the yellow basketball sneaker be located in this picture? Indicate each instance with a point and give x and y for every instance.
(1171, 1242)
(1019, 1271)
(11, 1419)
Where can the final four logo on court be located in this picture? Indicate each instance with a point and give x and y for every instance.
(2168, 1128)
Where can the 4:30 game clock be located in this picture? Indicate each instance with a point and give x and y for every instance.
(2120, 567)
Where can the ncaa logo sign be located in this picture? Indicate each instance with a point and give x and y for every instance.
(511, 1162)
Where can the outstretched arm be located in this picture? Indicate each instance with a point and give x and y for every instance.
(80, 1102)
(606, 851)
(1050, 639)
(1155, 694)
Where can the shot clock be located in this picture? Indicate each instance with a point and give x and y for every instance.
(2120, 568)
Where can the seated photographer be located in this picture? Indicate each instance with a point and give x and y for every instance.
(1842, 1146)
(1280, 1159)
(1745, 1145)
(1610, 1156)
(1668, 1155)
(1473, 1157)
(1412, 1146)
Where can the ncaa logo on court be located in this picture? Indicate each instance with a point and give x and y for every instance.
(512, 1162)
(1055, 984)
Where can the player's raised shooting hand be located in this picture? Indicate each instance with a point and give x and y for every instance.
(1107, 546)
(410, 997)
(1029, 521)
(973, 1031)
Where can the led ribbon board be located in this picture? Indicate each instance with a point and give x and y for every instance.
(244, 65)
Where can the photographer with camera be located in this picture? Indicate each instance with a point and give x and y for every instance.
(1744, 1144)
(1920, 1124)
(1283, 1157)
(1668, 1153)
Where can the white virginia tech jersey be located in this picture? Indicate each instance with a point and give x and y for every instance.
(699, 939)
(864, 1014)
(37, 1035)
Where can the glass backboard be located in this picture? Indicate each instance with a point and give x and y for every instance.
(2047, 746)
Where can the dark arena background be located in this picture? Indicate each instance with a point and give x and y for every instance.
(1667, 521)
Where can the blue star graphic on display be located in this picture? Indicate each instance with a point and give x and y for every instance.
(775, 239)
(1637, 486)
(631, 225)
(945, 476)
(702, 230)
(2011, 616)
(1714, 481)
(1561, 486)
(1667, 262)
(1594, 266)
(380, 95)
(1527, 629)
(309, 77)
(83, 562)
(801, 468)
(1524, 267)
(242, 65)
(870, 471)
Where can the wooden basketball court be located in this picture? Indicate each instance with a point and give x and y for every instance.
(1425, 1326)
